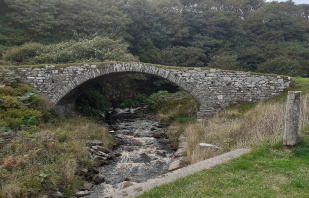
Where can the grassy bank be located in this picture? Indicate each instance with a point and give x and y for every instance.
(265, 172)
(244, 125)
(35, 163)
(270, 170)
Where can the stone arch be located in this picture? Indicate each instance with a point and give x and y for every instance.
(85, 78)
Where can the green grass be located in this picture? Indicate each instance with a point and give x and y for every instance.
(298, 84)
(264, 172)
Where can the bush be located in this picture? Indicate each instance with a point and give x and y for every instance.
(139, 99)
(30, 99)
(85, 50)
(24, 89)
(23, 54)
(7, 102)
(22, 117)
(8, 91)
(18, 107)
(7, 76)
(169, 107)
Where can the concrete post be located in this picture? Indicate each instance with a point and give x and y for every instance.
(290, 136)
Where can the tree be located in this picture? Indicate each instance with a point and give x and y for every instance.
(182, 56)
(37, 16)
(155, 25)
(68, 18)
(274, 23)
(224, 61)
(287, 58)
(88, 17)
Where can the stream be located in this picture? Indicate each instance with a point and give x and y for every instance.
(144, 152)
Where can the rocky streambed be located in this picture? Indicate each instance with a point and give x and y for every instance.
(142, 152)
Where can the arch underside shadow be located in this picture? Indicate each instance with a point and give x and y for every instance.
(70, 97)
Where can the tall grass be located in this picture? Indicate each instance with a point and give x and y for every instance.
(232, 129)
(38, 162)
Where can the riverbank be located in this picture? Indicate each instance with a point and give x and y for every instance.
(267, 171)
(172, 176)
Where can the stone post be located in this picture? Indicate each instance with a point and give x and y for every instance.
(290, 136)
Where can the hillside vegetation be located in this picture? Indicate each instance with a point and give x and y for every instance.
(248, 35)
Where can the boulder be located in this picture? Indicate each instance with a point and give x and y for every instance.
(182, 145)
(91, 143)
(178, 153)
(94, 170)
(100, 161)
(57, 194)
(82, 193)
(98, 179)
(81, 171)
(175, 165)
(205, 145)
(158, 134)
(86, 186)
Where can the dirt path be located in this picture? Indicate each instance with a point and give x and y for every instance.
(140, 188)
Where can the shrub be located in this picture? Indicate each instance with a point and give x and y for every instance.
(23, 54)
(96, 49)
(139, 99)
(171, 107)
(50, 115)
(22, 117)
(7, 101)
(8, 91)
(21, 90)
(7, 76)
(30, 99)
(84, 50)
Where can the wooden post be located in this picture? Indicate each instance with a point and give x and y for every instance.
(290, 136)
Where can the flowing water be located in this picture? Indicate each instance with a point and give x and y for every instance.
(142, 156)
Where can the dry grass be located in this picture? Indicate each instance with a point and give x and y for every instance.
(231, 129)
(40, 162)
(81, 129)
(46, 104)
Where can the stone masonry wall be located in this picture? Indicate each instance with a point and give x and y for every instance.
(213, 89)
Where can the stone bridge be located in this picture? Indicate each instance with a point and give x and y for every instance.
(213, 89)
